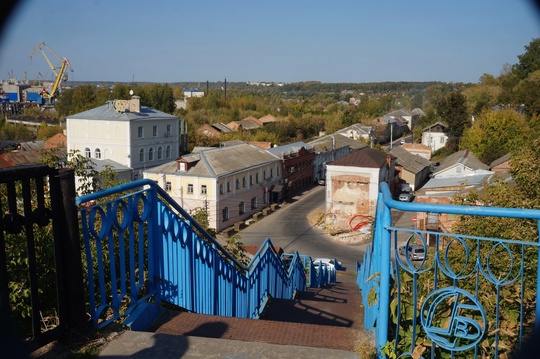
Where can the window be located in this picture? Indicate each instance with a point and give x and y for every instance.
(221, 191)
(442, 140)
(168, 152)
(87, 153)
(140, 132)
(182, 166)
(277, 171)
(141, 155)
(242, 208)
(264, 175)
(458, 169)
(225, 214)
(237, 183)
(97, 153)
(151, 154)
(256, 178)
(271, 173)
(190, 188)
(168, 186)
(154, 131)
(228, 186)
(168, 132)
(250, 180)
(254, 203)
(159, 153)
(244, 182)
(203, 189)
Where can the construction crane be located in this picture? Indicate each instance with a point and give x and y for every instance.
(61, 74)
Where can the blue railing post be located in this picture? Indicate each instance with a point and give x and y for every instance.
(384, 290)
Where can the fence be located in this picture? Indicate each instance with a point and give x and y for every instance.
(468, 297)
(142, 248)
(41, 285)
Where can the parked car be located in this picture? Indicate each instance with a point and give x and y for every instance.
(405, 197)
(402, 142)
(321, 182)
(414, 252)
(329, 262)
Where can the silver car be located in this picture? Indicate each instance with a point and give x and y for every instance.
(413, 251)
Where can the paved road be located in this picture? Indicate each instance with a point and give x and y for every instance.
(290, 229)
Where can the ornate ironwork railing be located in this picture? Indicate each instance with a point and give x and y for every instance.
(461, 297)
(41, 282)
(142, 248)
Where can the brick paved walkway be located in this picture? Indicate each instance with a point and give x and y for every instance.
(327, 317)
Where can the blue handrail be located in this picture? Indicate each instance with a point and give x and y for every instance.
(384, 274)
(143, 247)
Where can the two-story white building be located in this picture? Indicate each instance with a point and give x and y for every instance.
(434, 136)
(230, 183)
(125, 132)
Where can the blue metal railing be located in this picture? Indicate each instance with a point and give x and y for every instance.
(142, 248)
(469, 297)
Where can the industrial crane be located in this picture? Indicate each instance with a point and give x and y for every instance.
(61, 74)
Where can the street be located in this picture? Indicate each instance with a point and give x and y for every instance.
(290, 229)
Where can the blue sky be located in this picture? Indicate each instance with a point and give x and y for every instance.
(279, 40)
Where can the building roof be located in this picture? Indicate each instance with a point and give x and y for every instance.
(222, 127)
(100, 164)
(287, 149)
(500, 160)
(461, 181)
(411, 162)
(361, 129)
(17, 158)
(464, 157)
(365, 157)
(325, 143)
(398, 113)
(32, 145)
(108, 113)
(435, 125)
(267, 119)
(58, 140)
(218, 162)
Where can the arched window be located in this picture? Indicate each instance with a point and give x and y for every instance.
(168, 152)
(141, 155)
(151, 154)
(87, 153)
(159, 153)
(97, 153)
(225, 214)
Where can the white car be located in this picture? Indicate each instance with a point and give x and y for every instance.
(329, 262)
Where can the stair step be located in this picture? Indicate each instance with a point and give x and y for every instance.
(258, 330)
(144, 345)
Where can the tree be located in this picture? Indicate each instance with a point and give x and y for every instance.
(529, 62)
(452, 110)
(495, 133)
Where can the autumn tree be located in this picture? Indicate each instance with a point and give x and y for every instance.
(494, 134)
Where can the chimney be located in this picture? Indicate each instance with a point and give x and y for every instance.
(135, 104)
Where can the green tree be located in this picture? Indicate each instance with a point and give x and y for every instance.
(453, 111)
(495, 133)
(529, 62)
